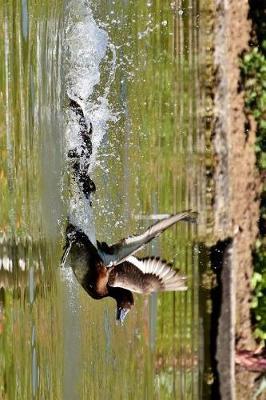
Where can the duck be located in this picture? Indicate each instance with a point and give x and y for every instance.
(115, 271)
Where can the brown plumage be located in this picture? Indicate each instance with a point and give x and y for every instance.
(146, 275)
(114, 271)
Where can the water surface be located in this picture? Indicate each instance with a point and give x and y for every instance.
(134, 68)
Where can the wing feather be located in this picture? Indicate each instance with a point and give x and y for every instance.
(118, 252)
(144, 276)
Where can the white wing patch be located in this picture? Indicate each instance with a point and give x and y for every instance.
(170, 279)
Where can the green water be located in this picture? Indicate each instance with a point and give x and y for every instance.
(30, 87)
(56, 342)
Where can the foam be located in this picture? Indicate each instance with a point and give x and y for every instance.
(88, 51)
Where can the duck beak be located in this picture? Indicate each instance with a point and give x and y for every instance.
(121, 314)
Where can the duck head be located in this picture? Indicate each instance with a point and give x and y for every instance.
(124, 303)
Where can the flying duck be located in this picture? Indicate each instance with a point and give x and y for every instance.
(115, 271)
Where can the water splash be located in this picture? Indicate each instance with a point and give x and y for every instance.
(89, 58)
(88, 49)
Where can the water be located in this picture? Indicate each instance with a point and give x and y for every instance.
(134, 68)
(30, 141)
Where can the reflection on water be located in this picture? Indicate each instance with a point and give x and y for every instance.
(30, 136)
(133, 67)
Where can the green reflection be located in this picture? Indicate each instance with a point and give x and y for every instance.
(156, 169)
(30, 86)
(56, 342)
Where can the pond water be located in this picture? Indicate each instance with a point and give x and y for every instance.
(134, 67)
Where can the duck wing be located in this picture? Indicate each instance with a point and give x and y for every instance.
(118, 252)
(146, 275)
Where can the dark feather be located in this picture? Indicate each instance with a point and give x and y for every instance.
(118, 252)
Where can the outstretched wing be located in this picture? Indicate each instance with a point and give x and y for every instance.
(117, 253)
(146, 275)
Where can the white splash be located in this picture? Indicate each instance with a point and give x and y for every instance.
(88, 52)
(87, 48)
